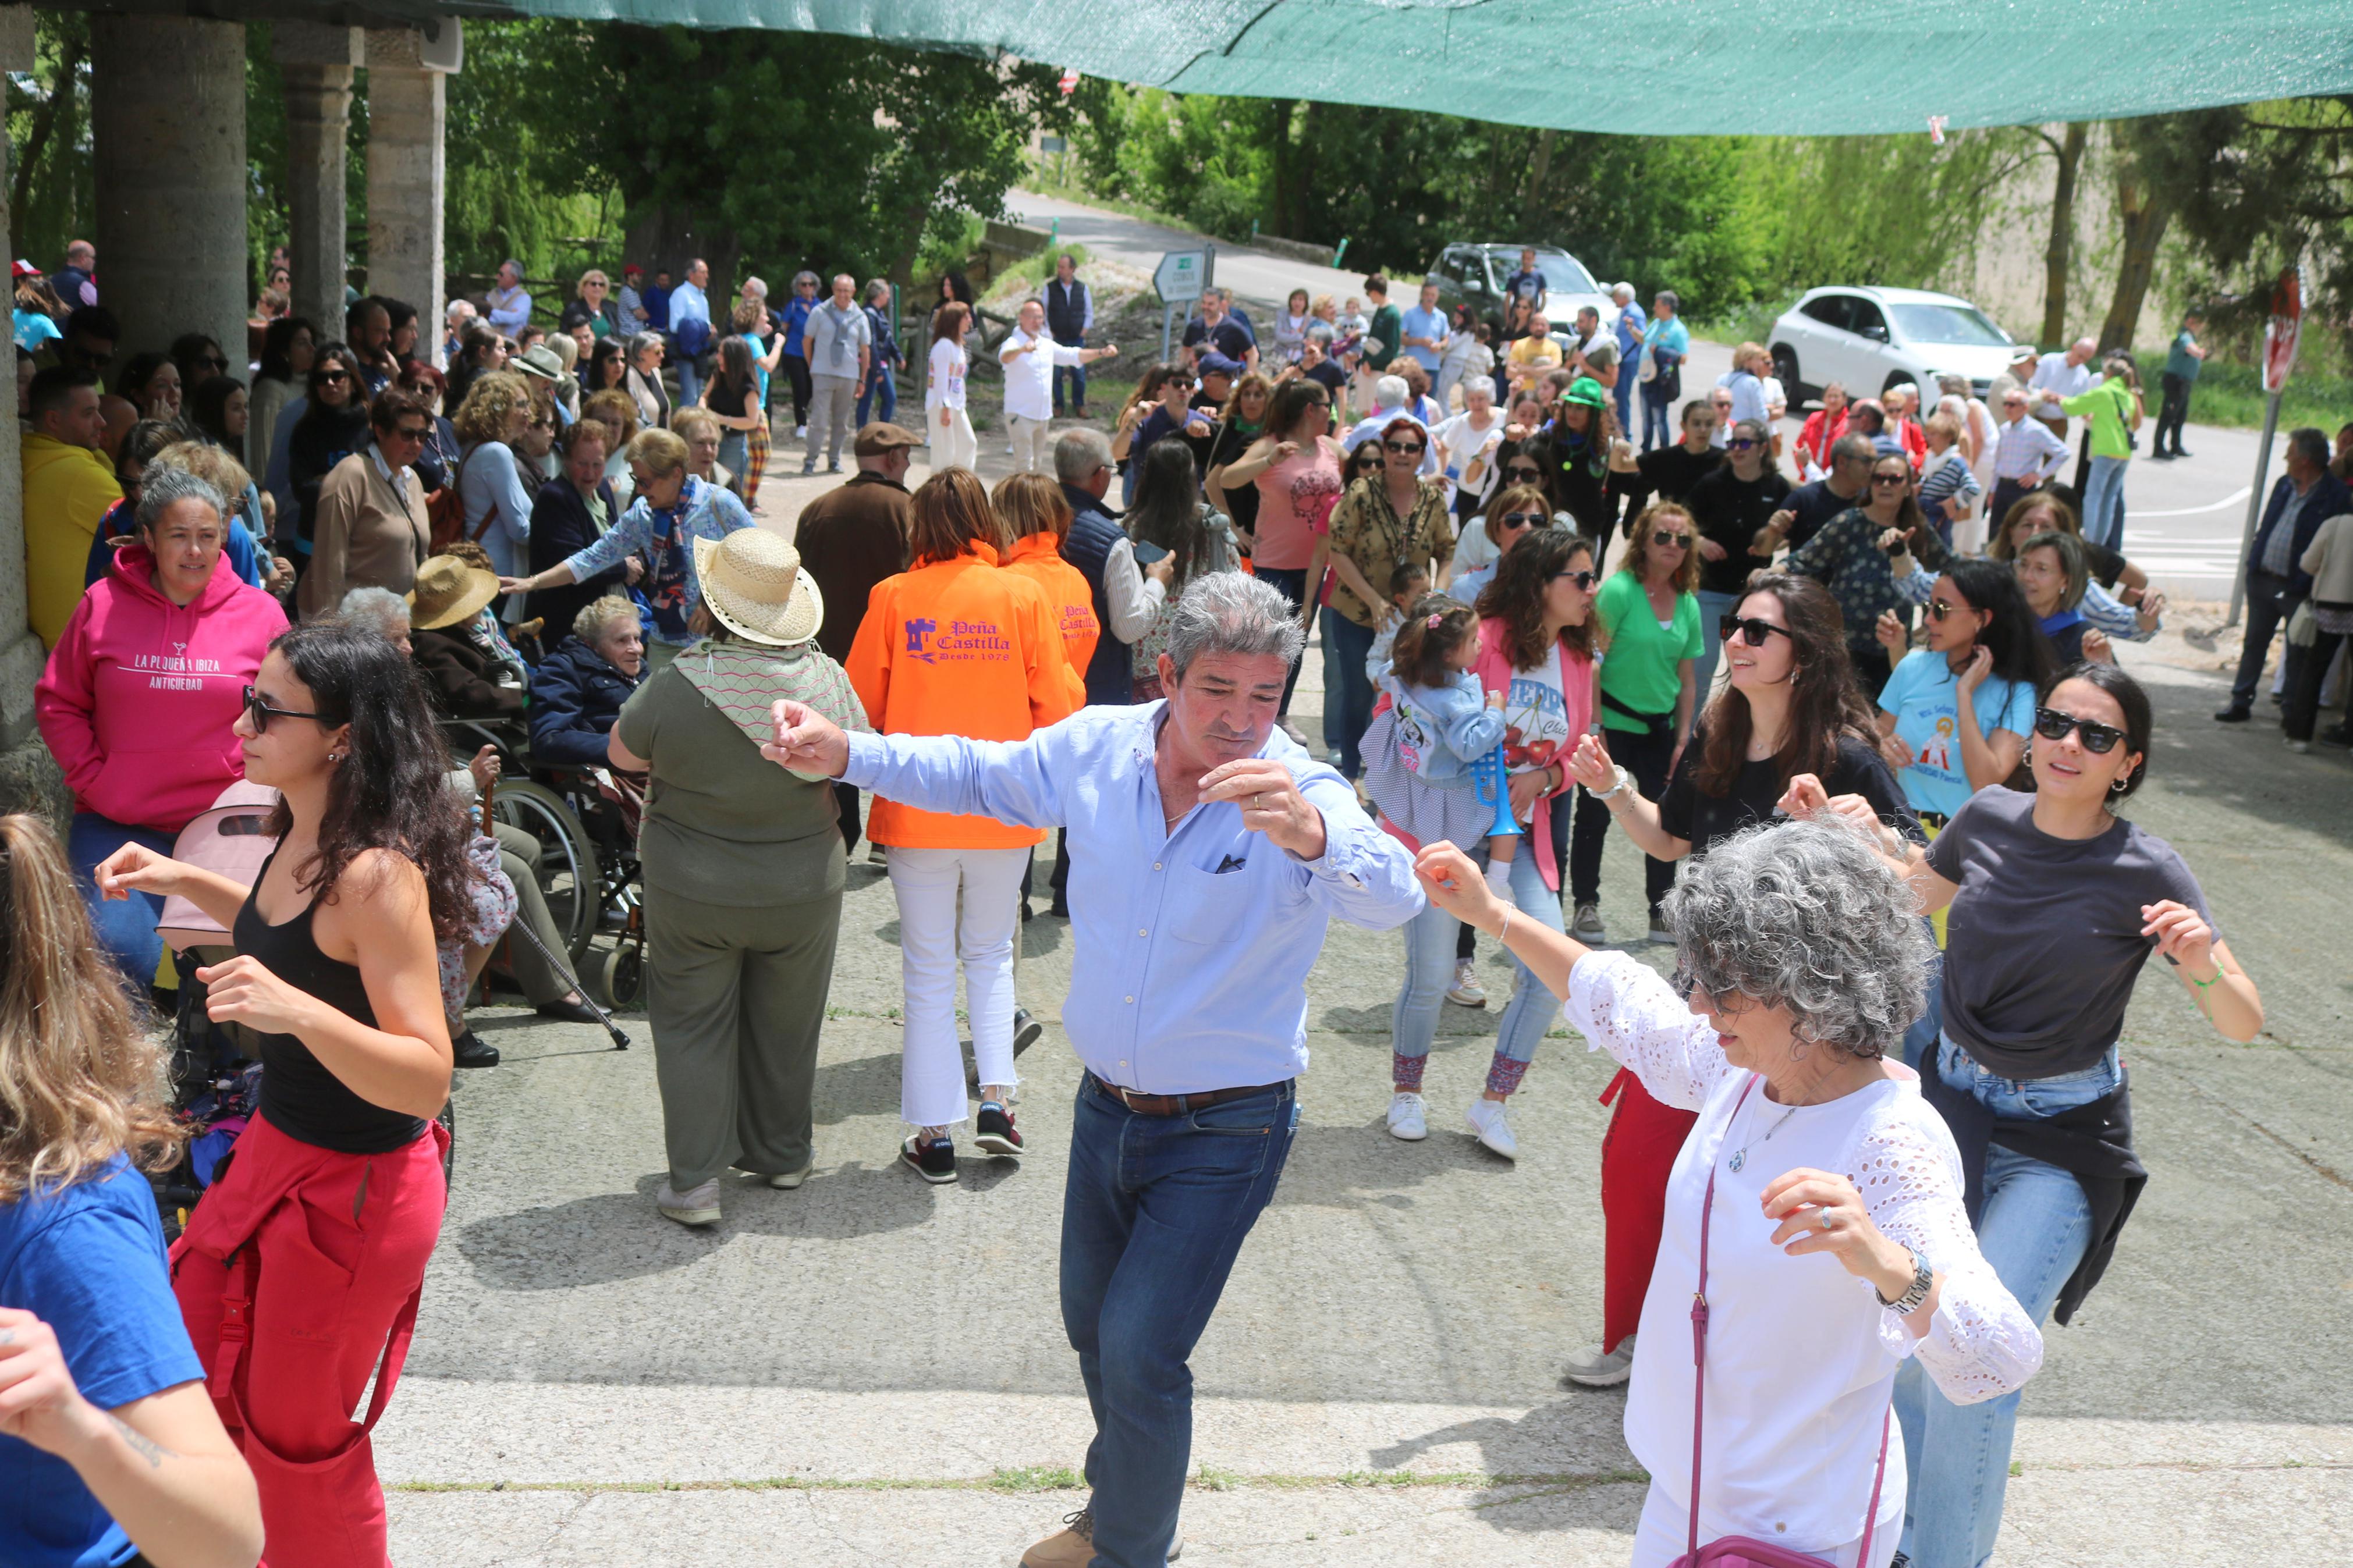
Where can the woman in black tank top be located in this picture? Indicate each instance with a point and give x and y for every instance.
(318, 1233)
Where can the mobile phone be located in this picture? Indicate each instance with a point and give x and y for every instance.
(1147, 552)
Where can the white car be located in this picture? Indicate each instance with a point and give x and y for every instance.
(1867, 340)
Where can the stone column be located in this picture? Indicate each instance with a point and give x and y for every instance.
(167, 120)
(406, 116)
(27, 777)
(315, 62)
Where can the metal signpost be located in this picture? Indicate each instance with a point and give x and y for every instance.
(2281, 333)
(1179, 279)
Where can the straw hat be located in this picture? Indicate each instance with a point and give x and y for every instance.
(755, 585)
(447, 591)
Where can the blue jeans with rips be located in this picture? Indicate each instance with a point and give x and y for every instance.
(2033, 1230)
(1155, 1211)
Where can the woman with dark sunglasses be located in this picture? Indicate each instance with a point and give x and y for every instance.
(1383, 522)
(1731, 503)
(318, 1235)
(2055, 903)
(1849, 558)
(1788, 708)
(1954, 716)
(1516, 512)
(333, 424)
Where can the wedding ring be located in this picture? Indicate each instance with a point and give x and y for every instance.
(1829, 1218)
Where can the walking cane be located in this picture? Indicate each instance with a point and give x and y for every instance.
(559, 962)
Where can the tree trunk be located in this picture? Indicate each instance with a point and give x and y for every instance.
(2070, 155)
(661, 237)
(1282, 217)
(45, 122)
(1302, 173)
(2144, 212)
(1539, 170)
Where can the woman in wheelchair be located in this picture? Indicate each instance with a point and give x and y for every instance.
(578, 690)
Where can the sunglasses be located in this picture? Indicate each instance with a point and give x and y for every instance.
(258, 709)
(1584, 580)
(1666, 536)
(1741, 444)
(1750, 629)
(1404, 449)
(1522, 520)
(1891, 479)
(2098, 739)
(412, 432)
(1516, 471)
(334, 378)
(1939, 608)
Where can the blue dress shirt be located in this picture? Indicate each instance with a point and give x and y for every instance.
(1190, 947)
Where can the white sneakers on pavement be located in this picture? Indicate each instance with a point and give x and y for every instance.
(1408, 1117)
(1467, 992)
(1595, 1369)
(698, 1206)
(1492, 1126)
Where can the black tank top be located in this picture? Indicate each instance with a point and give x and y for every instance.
(300, 1096)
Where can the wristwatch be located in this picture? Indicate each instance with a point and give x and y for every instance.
(1624, 779)
(1923, 1277)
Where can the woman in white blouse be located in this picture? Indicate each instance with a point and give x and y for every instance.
(1838, 1244)
(953, 443)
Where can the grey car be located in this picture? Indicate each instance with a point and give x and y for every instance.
(1476, 273)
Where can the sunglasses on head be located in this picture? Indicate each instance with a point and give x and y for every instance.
(2098, 739)
(1521, 519)
(1750, 629)
(1670, 536)
(258, 709)
(1584, 580)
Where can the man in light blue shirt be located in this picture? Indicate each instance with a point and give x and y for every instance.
(1208, 853)
(1425, 330)
(689, 303)
(509, 301)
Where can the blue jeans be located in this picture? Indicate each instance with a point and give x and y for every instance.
(2104, 502)
(1920, 1040)
(1155, 1211)
(882, 388)
(1429, 950)
(1712, 608)
(1078, 374)
(1658, 425)
(125, 927)
(1347, 689)
(1628, 375)
(2033, 1230)
(690, 379)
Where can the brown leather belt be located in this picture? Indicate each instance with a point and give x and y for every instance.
(1178, 1104)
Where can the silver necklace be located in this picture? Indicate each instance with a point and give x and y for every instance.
(1740, 1155)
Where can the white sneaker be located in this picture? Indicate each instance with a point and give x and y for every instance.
(1588, 928)
(1492, 1126)
(801, 431)
(1406, 1119)
(1661, 934)
(1595, 1370)
(698, 1207)
(2301, 748)
(1467, 990)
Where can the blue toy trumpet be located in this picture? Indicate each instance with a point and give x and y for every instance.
(1491, 786)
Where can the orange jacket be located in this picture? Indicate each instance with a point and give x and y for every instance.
(958, 647)
(1039, 559)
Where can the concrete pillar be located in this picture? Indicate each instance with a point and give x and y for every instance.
(26, 776)
(167, 120)
(405, 118)
(315, 62)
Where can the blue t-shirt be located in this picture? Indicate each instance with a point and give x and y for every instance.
(87, 1261)
(1923, 695)
(1421, 324)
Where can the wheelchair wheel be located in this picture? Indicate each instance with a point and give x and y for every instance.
(568, 872)
(623, 974)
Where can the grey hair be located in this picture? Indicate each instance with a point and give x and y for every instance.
(1485, 384)
(2312, 442)
(1623, 293)
(1953, 383)
(1390, 392)
(377, 609)
(166, 486)
(599, 614)
(1803, 916)
(1232, 612)
(1321, 332)
(1079, 452)
(805, 276)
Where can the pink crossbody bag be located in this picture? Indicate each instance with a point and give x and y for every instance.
(1741, 1550)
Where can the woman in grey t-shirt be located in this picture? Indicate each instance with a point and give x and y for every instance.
(2055, 903)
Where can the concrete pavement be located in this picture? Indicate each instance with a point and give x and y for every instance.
(871, 1370)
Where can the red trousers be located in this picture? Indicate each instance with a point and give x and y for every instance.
(1637, 1155)
(298, 1276)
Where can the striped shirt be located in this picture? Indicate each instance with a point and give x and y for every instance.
(2026, 449)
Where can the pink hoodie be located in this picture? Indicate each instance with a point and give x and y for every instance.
(140, 694)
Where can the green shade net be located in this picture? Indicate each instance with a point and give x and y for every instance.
(1646, 67)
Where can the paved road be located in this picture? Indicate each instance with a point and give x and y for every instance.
(2182, 519)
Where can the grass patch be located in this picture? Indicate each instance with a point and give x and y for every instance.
(1029, 275)
(1036, 1479)
(2233, 394)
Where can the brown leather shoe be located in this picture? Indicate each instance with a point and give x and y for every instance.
(1073, 1546)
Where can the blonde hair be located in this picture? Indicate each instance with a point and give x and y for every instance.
(1031, 504)
(613, 407)
(210, 464)
(691, 418)
(593, 275)
(80, 1081)
(1637, 558)
(598, 613)
(1943, 425)
(661, 451)
(490, 406)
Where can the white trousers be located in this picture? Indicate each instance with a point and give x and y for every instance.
(956, 446)
(1033, 444)
(931, 936)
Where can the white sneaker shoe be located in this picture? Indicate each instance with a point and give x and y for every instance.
(1588, 928)
(1467, 990)
(801, 431)
(1492, 1126)
(1595, 1370)
(698, 1206)
(1406, 1120)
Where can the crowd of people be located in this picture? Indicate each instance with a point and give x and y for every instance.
(1905, 910)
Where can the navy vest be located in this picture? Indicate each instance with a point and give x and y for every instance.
(1110, 676)
(1066, 310)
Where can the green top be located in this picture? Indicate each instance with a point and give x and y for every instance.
(1643, 668)
(723, 823)
(1388, 326)
(2108, 405)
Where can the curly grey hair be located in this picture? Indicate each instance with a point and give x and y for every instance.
(379, 610)
(1231, 612)
(166, 487)
(1803, 915)
(599, 614)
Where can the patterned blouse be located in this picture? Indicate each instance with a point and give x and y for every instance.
(1367, 530)
(1845, 558)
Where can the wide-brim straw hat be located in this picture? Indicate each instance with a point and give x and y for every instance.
(449, 591)
(755, 585)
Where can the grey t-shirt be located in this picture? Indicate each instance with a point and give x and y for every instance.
(2044, 940)
(835, 336)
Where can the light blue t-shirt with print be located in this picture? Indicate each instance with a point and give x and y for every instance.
(1923, 694)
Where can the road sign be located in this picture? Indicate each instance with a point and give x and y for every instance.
(1179, 277)
(2285, 329)
(1053, 144)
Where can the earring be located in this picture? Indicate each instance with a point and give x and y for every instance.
(2118, 786)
